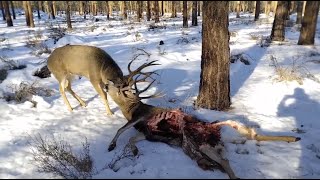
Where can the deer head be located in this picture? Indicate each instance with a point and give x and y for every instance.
(127, 94)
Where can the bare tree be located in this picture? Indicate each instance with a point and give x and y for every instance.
(299, 12)
(156, 11)
(148, 11)
(185, 14)
(2, 11)
(214, 89)
(85, 7)
(257, 12)
(268, 7)
(68, 15)
(309, 23)
(12, 9)
(30, 12)
(194, 14)
(278, 31)
(8, 15)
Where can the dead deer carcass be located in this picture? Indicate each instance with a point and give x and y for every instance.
(88, 61)
(199, 140)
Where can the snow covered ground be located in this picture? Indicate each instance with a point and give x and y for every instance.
(258, 99)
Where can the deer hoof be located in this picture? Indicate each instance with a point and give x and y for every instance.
(111, 146)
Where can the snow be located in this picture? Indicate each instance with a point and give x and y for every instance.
(274, 108)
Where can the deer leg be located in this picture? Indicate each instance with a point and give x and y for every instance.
(128, 125)
(214, 155)
(83, 104)
(62, 86)
(134, 140)
(103, 95)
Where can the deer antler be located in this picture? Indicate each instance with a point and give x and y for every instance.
(138, 70)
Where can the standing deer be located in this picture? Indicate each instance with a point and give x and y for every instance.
(199, 140)
(88, 61)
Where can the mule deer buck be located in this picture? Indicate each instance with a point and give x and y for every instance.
(88, 61)
(199, 140)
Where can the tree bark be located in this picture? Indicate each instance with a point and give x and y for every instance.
(278, 31)
(2, 11)
(309, 23)
(194, 14)
(7, 12)
(299, 12)
(214, 89)
(68, 15)
(30, 12)
(156, 11)
(185, 14)
(257, 12)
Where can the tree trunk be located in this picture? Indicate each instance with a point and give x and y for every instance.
(214, 89)
(257, 12)
(238, 9)
(38, 9)
(268, 8)
(162, 10)
(30, 12)
(54, 7)
(12, 9)
(85, 6)
(299, 12)
(51, 9)
(288, 10)
(124, 10)
(148, 11)
(185, 14)
(108, 10)
(309, 23)
(278, 31)
(304, 7)
(194, 14)
(26, 12)
(173, 9)
(199, 5)
(7, 12)
(139, 10)
(156, 11)
(68, 15)
(2, 11)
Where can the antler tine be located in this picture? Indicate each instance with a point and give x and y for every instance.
(138, 92)
(147, 75)
(138, 70)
